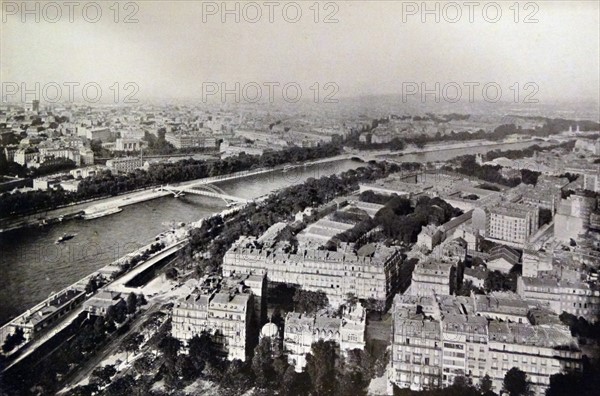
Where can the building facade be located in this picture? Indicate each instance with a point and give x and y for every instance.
(438, 339)
(373, 275)
(302, 330)
(230, 310)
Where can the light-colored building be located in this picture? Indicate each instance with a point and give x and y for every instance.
(511, 222)
(129, 144)
(438, 339)
(46, 314)
(573, 216)
(429, 237)
(539, 351)
(86, 172)
(229, 309)
(103, 134)
(98, 304)
(125, 164)
(69, 153)
(575, 297)
(371, 272)
(86, 155)
(25, 155)
(302, 330)
(503, 259)
(191, 139)
(430, 278)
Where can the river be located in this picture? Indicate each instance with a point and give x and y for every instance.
(33, 266)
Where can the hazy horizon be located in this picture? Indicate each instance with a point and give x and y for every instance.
(170, 52)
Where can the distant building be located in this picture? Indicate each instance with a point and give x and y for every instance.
(86, 156)
(573, 216)
(61, 152)
(103, 134)
(129, 144)
(86, 172)
(25, 155)
(125, 164)
(191, 139)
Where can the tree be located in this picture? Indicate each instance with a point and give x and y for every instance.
(131, 303)
(321, 367)
(237, 379)
(170, 346)
(102, 375)
(294, 384)
(485, 384)
(141, 300)
(185, 367)
(132, 343)
(262, 363)
(121, 386)
(13, 340)
(310, 301)
(202, 350)
(515, 382)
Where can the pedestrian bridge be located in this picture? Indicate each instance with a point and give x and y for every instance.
(207, 190)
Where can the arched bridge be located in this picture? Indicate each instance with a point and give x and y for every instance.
(208, 190)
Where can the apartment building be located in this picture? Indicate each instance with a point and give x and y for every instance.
(129, 144)
(125, 164)
(230, 309)
(191, 139)
(302, 330)
(575, 297)
(539, 351)
(429, 237)
(372, 272)
(431, 277)
(509, 222)
(435, 340)
(573, 216)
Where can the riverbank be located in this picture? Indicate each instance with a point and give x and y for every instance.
(176, 239)
(107, 204)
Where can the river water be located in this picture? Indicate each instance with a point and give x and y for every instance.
(32, 266)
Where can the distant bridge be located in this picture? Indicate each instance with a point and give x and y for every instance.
(205, 189)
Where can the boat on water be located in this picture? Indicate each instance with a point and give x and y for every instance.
(288, 168)
(102, 213)
(65, 237)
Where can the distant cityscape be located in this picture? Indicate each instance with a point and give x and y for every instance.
(325, 198)
(421, 271)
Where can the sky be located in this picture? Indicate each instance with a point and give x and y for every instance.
(183, 49)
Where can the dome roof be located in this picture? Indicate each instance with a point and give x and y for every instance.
(269, 330)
